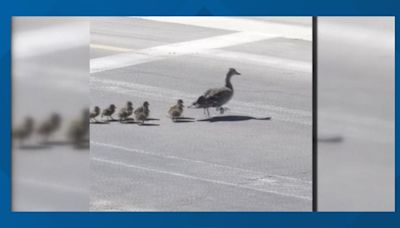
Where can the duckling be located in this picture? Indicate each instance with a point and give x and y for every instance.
(108, 112)
(176, 110)
(50, 126)
(217, 97)
(78, 131)
(125, 112)
(142, 113)
(25, 131)
(94, 113)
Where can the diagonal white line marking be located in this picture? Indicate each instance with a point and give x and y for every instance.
(110, 48)
(242, 25)
(270, 61)
(172, 50)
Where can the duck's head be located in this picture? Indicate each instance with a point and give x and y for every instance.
(29, 121)
(180, 103)
(112, 106)
(55, 118)
(146, 104)
(233, 71)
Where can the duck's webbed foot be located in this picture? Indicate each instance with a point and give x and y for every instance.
(222, 109)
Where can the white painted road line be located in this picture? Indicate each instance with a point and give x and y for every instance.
(163, 94)
(242, 25)
(110, 48)
(264, 60)
(215, 165)
(269, 61)
(173, 50)
(282, 187)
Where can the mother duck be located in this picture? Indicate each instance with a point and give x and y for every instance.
(217, 97)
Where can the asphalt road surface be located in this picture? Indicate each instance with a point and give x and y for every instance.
(254, 157)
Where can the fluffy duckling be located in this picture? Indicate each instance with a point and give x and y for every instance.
(94, 113)
(176, 110)
(50, 126)
(25, 131)
(108, 112)
(78, 131)
(142, 113)
(125, 112)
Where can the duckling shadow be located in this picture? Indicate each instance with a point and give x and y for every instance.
(149, 125)
(332, 139)
(83, 146)
(33, 147)
(100, 122)
(129, 122)
(112, 120)
(232, 118)
(184, 120)
(56, 143)
(152, 119)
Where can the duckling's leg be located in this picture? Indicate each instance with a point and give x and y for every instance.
(208, 113)
(222, 109)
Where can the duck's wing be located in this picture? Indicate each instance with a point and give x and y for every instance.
(172, 109)
(139, 110)
(218, 95)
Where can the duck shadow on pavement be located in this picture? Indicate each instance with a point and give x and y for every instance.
(233, 118)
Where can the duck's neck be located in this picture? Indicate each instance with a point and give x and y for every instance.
(228, 81)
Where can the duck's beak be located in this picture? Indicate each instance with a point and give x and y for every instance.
(238, 73)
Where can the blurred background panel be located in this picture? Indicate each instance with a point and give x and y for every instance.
(356, 113)
(50, 72)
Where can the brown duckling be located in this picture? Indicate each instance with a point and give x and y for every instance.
(25, 131)
(125, 112)
(93, 114)
(108, 112)
(50, 126)
(176, 111)
(142, 113)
